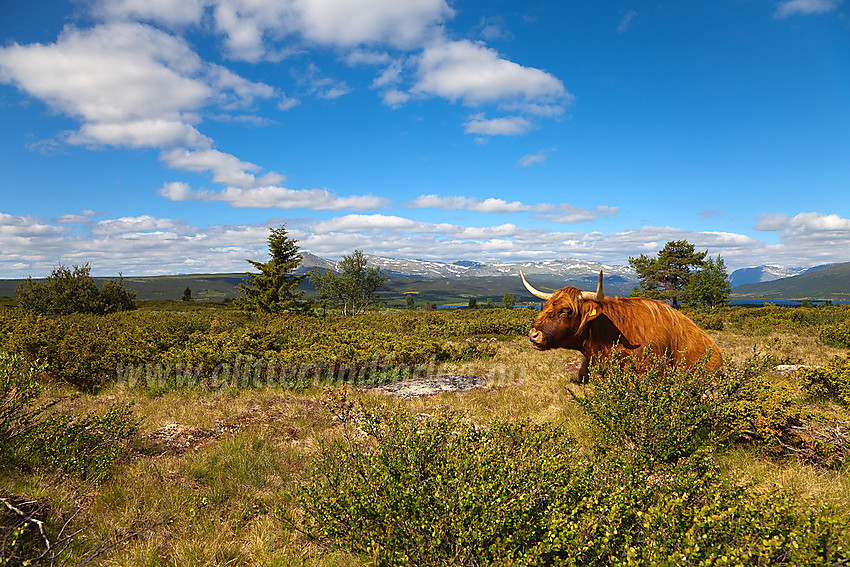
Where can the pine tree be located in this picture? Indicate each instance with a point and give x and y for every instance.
(666, 276)
(275, 288)
(187, 295)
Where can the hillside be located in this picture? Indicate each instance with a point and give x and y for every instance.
(461, 289)
(435, 282)
(765, 273)
(205, 287)
(443, 283)
(832, 282)
(760, 274)
(440, 290)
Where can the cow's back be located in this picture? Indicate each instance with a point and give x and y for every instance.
(647, 322)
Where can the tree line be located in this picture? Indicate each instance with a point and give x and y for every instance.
(678, 274)
(275, 288)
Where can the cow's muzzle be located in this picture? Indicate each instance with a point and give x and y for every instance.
(538, 339)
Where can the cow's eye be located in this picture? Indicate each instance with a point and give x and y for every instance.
(566, 312)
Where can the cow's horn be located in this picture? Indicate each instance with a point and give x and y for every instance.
(598, 295)
(534, 292)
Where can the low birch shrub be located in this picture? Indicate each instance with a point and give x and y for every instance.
(400, 489)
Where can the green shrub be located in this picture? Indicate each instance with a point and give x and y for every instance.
(88, 351)
(18, 391)
(685, 514)
(762, 407)
(769, 412)
(437, 490)
(642, 406)
(73, 348)
(88, 446)
(831, 381)
(67, 291)
(773, 318)
(708, 320)
(32, 437)
(837, 335)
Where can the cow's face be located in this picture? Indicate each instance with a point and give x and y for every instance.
(564, 315)
(562, 319)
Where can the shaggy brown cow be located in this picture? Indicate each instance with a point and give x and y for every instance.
(594, 324)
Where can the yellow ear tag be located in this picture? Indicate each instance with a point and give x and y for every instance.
(592, 313)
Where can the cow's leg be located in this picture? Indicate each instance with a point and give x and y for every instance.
(583, 372)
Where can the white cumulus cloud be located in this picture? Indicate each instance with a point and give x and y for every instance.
(532, 159)
(772, 222)
(804, 7)
(271, 196)
(506, 126)
(110, 73)
(154, 133)
(128, 83)
(251, 28)
(226, 168)
(490, 205)
(168, 12)
(138, 224)
(558, 213)
(147, 244)
(474, 73)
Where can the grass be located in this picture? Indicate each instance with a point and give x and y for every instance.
(814, 484)
(787, 348)
(227, 488)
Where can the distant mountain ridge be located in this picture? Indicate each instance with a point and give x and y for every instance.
(830, 282)
(428, 280)
(412, 268)
(443, 281)
(758, 274)
(768, 273)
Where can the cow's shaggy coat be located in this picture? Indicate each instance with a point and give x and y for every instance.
(570, 319)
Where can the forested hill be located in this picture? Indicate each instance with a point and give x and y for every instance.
(832, 282)
(207, 287)
(440, 290)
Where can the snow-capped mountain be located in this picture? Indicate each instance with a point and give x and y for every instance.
(571, 270)
(758, 274)
(567, 268)
(312, 262)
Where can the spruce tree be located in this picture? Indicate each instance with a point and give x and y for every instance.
(275, 288)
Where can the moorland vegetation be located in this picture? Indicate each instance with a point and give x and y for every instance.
(219, 467)
(188, 433)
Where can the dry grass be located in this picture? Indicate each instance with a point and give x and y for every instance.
(814, 484)
(796, 349)
(224, 488)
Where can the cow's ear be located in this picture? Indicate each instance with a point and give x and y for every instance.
(590, 310)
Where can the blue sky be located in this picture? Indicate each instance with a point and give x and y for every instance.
(167, 136)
